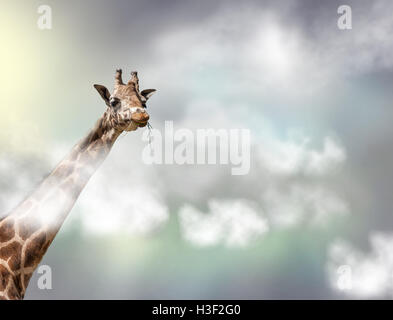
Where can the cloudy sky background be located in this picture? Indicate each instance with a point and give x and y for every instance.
(316, 99)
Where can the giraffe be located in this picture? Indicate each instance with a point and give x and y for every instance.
(28, 230)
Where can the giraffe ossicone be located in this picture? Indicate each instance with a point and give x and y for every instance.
(28, 230)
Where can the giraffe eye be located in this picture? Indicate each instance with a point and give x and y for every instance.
(113, 101)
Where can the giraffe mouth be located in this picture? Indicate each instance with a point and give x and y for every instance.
(137, 117)
(140, 119)
(133, 125)
(141, 123)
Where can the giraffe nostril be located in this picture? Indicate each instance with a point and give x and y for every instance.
(145, 117)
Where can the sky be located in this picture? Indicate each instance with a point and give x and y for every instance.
(317, 103)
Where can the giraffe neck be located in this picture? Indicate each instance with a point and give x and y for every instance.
(28, 230)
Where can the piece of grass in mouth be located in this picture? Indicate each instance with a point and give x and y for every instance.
(149, 127)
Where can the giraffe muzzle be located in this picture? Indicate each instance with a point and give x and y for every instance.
(140, 117)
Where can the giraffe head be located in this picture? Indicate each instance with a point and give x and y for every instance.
(126, 104)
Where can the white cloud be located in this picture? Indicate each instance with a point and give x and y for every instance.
(295, 156)
(121, 196)
(118, 199)
(299, 204)
(295, 192)
(292, 179)
(120, 208)
(324, 161)
(371, 274)
(20, 172)
(234, 223)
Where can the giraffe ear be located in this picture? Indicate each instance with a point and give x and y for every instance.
(147, 93)
(104, 93)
